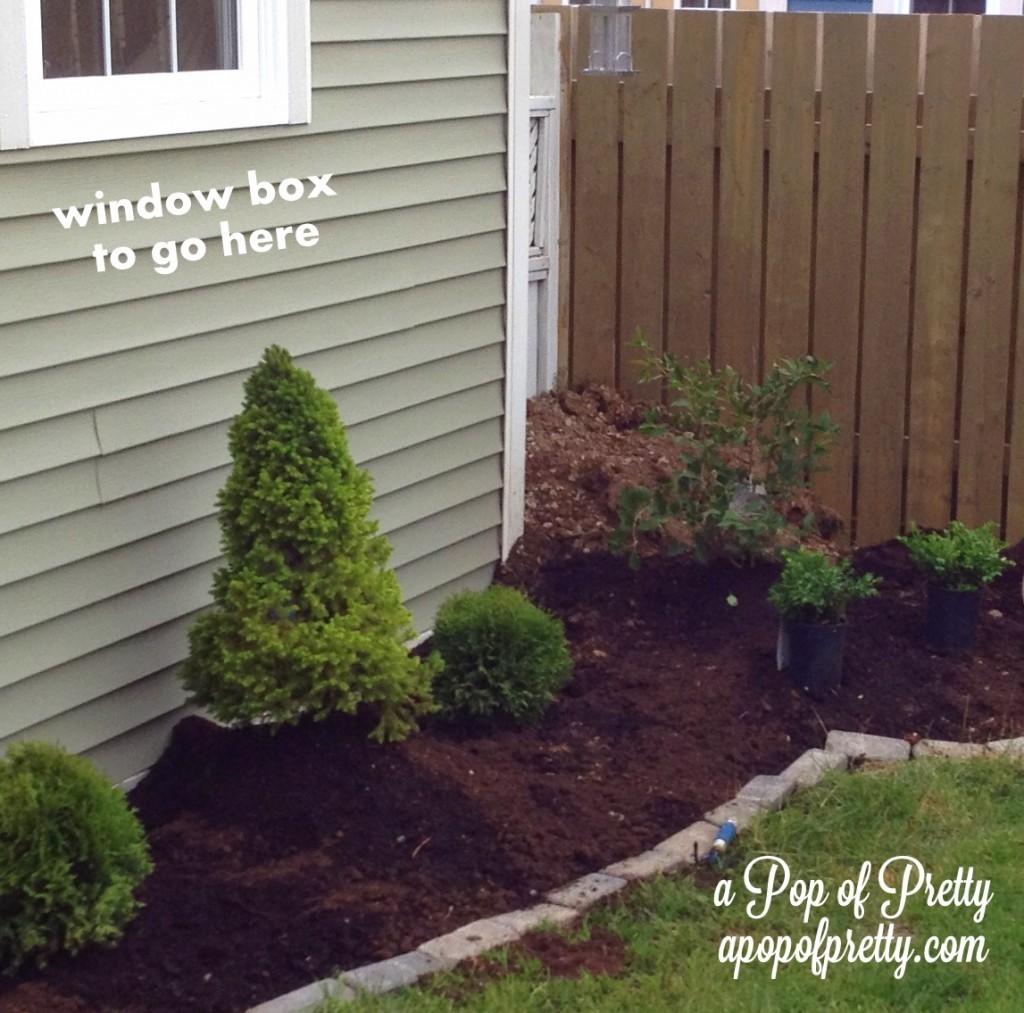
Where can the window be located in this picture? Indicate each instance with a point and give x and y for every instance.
(834, 6)
(90, 70)
(90, 38)
(947, 6)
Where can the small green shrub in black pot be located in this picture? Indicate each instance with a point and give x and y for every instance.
(503, 657)
(71, 856)
(812, 595)
(957, 562)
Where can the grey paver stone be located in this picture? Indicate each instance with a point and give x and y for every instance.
(587, 890)
(1008, 747)
(306, 999)
(398, 972)
(953, 750)
(681, 845)
(530, 918)
(766, 790)
(867, 747)
(742, 810)
(647, 864)
(471, 940)
(809, 768)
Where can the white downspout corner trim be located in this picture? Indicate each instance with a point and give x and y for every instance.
(517, 273)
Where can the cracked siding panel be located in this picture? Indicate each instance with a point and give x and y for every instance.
(47, 444)
(64, 540)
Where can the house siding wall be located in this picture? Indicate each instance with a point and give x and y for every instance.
(117, 389)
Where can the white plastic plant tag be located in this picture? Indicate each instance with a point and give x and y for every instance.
(782, 649)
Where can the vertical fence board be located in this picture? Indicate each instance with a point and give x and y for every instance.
(990, 271)
(888, 249)
(787, 312)
(938, 275)
(692, 185)
(741, 193)
(595, 258)
(838, 259)
(644, 137)
(1015, 484)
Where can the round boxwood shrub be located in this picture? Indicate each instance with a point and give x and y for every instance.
(502, 656)
(71, 856)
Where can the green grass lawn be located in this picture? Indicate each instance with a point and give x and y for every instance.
(949, 816)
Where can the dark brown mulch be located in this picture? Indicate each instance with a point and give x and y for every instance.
(598, 952)
(280, 859)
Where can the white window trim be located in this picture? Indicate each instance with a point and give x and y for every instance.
(271, 85)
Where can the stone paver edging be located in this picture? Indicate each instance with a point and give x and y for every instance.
(766, 792)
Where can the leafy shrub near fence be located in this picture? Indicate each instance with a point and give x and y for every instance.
(502, 655)
(958, 558)
(71, 856)
(745, 449)
(307, 618)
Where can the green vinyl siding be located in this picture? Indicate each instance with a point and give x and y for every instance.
(117, 389)
(357, 247)
(48, 444)
(37, 344)
(371, 20)
(39, 240)
(55, 692)
(121, 375)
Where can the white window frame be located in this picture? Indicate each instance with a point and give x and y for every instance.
(271, 85)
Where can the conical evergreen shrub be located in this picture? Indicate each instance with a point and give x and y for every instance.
(307, 617)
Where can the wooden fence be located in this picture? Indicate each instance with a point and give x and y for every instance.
(847, 186)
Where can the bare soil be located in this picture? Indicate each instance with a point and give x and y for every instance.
(283, 858)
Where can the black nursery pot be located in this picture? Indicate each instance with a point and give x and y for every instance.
(815, 655)
(951, 618)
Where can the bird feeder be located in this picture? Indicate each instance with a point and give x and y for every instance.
(611, 36)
